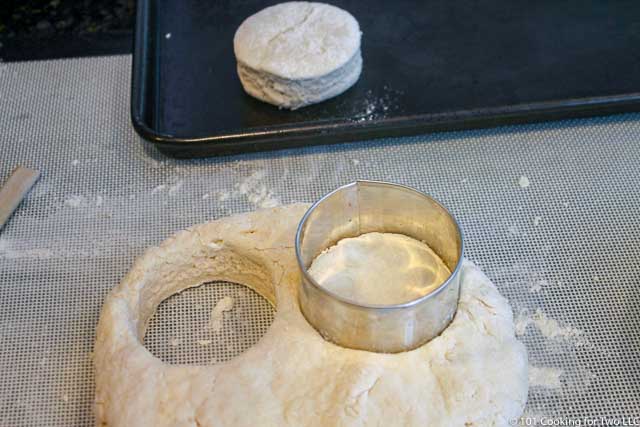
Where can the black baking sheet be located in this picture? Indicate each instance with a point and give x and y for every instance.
(428, 65)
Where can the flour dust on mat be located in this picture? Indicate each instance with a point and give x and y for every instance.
(217, 314)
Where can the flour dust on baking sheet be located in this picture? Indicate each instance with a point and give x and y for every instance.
(209, 324)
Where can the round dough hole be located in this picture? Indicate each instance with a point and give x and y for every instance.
(208, 324)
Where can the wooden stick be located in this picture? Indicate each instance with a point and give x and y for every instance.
(14, 190)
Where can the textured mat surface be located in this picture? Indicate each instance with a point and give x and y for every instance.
(550, 212)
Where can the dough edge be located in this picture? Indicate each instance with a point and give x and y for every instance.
(474, 373)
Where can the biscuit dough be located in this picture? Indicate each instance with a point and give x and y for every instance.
(473, 374)
(298, 53)
(379, 268)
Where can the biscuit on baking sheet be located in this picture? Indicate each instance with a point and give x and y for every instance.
(298, 53)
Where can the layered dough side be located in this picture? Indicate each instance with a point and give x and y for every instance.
(473, 374)
(294, 94)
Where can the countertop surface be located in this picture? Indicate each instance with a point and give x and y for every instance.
(33, 29)
(549, 212)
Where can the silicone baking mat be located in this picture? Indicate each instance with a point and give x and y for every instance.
(549, 211)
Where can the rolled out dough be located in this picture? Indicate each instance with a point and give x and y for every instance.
(379, 268)
(298, 53)
(473, 374)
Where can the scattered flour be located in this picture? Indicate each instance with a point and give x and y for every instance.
(76, 162)
(76, 201)
(175, 187)
(204, 342)
(523, 182)
(252, 187)
(217, 314)
(548, 327)
(545, 377)
(537, 220)
(154, 164)
(256, 192)
(17, 250)
(175, 342)
(158, 189)
(13, 249)
(172, 189)
(377, 105)
(522, 323)
(551, 329)
(538, 286)
(587, 377)
(167, 36)
(355, 162)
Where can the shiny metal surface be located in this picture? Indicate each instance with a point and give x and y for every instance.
(363, 207)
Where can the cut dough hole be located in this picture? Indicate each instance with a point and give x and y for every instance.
(208, 324)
